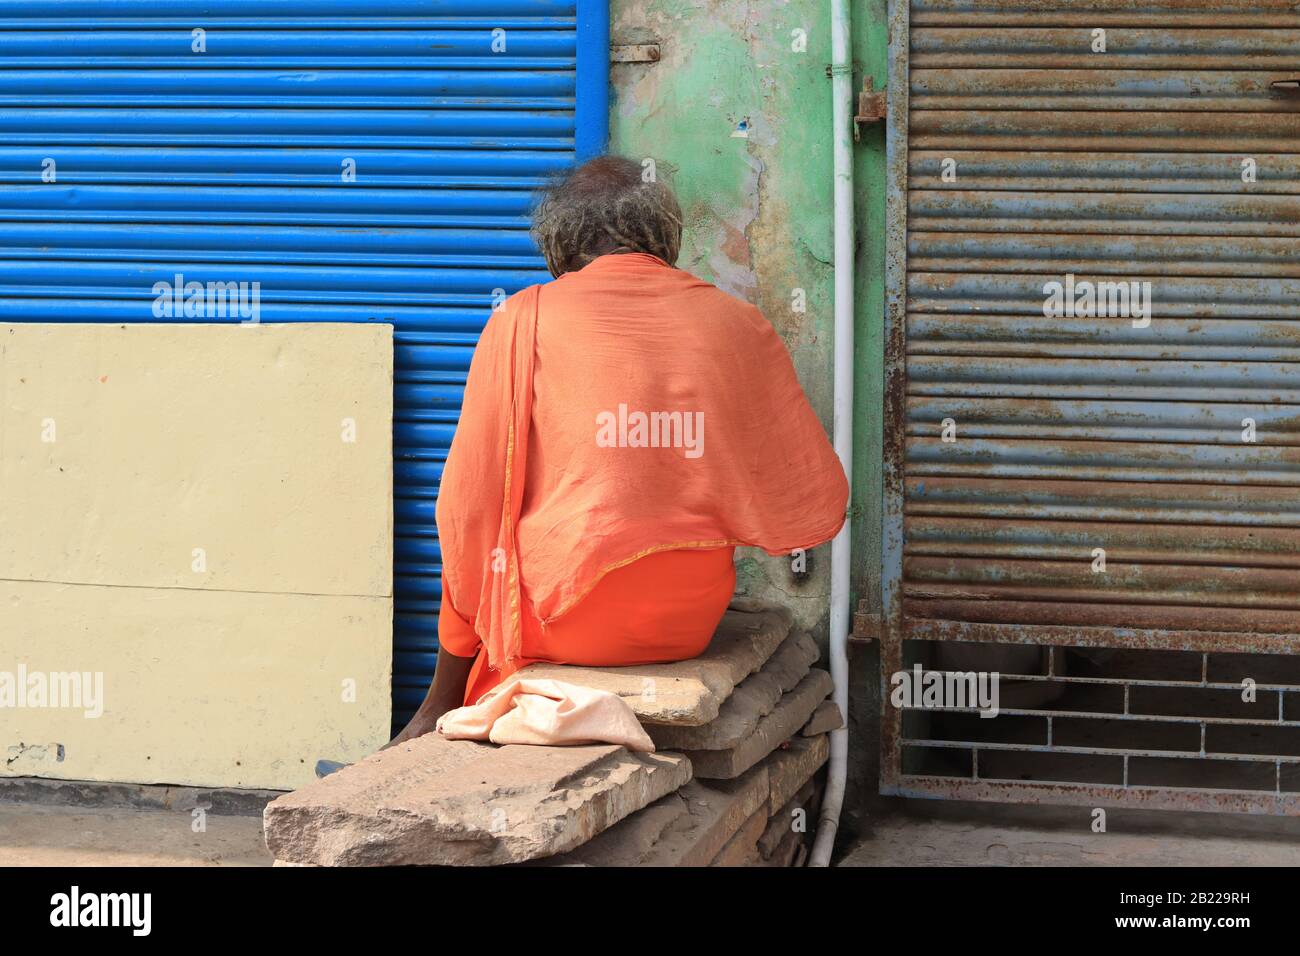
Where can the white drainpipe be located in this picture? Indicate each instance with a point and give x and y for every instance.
(842, 133)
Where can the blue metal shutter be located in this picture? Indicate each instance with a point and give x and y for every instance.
(219, 156)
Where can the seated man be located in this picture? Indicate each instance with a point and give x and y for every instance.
(624, 428)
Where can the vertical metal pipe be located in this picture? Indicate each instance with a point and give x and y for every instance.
(842, 427)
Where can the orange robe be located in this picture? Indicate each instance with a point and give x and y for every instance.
(613, 420)
(663, 607)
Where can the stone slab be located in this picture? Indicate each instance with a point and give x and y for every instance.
(752, 605)
(752, 700)
(742, 849)
(786, 851)
(690, 826)
(459, 802)
(773, 730)
(783, 821)
(825, 718)
(686, 828)
(685, 692)
(791, 766)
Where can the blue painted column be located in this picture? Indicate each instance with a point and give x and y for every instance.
(591, 113)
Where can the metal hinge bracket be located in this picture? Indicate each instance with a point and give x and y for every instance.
(634, 53)
(871, 107)
(867, 625)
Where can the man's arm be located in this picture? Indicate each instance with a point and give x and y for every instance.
(446, 692)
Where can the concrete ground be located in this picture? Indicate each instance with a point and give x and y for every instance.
(33, 835)
(935, 833)
(76, 823)
(87, 825)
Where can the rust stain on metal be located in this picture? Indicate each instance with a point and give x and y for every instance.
(868, 625)
(871, 107)
(1158, 13)
(634, 53)
(1021, 443)
(1191, 637)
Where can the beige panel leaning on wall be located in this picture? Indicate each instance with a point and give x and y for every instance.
(196, 521)
(126, 448)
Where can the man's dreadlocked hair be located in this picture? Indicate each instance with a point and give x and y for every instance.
(605, 206)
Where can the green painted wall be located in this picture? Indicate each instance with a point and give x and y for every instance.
(736, 115)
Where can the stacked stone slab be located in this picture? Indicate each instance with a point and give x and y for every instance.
(787, 839)
(750, 715)
(459, 802)
(754, 820)
(686, 693)
(753, 799)
(690, 827)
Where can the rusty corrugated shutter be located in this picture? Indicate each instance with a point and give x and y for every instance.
(1031, 156)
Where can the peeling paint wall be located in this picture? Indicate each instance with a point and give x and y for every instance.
(736, 115)
(740, 122)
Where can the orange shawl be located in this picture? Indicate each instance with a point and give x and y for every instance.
(620, 410)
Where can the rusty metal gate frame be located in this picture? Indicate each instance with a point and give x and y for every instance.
(896, 783)
(895, 629)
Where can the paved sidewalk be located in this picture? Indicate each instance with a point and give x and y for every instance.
(928, 833)
(33, 835)
(916, 833)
